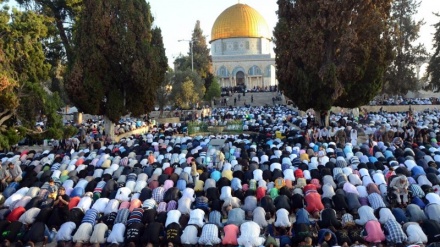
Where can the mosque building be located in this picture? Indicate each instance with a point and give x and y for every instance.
(241, 48)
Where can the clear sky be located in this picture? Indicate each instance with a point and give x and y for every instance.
(177, 18)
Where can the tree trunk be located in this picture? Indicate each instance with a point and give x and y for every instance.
(319, 120)
(78, 117)
(109, 128)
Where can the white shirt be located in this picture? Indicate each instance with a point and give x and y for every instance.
(98, 235)
(184, 205)
(173, 216)
(433, 198)
(196, 217)
(328, 191)
(282, 218)
(100, 204)
(29, 216)
(189, 235)
(226, 192)
(68, 184)
(307, 175)
(258, 174)
(354, 179)
(366, 214)
(259, 217)
(188, 193)
(410, 164)
(98, 173)
(366, 180)
(117, 234)
(123, 194)
(385, 214)
(130, 185)
(288, 174)
(379, 178)
(363, 172)
(416, 234)
(14, 198)
(274, 166)
(250, 234)
(362, 191)
(82, 183)
(111, 207)
(140, 184)
(85, 203)
(65, 231)
(423, 180)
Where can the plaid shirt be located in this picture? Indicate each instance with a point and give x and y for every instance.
(394, 232)
(416, 190)
(210, 235)
(158, 194)
(376, 201)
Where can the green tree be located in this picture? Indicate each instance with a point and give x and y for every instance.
(433, 69)
(332, 53)
(180, 94)
(116, 67)
(164, 90)
(202, 59)
(63, 15)
(401, 77)
(23, 69)
(188, 96)
(214, 91)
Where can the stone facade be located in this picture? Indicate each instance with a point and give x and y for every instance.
(244, 61)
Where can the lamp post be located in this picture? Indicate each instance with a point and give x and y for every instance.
(192, 53)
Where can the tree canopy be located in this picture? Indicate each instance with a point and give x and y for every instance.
(63, 14)
(188, 88)
(202, 59)
(23, 68)
(401, 76)
(433, 70)
(332, 53)
(214, 90)
(118, 59)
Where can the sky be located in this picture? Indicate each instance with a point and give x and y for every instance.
(177, 19)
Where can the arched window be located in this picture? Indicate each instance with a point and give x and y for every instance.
(254, 70)
(268, 71)
(222, 72)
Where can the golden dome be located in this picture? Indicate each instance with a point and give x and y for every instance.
(240, 21)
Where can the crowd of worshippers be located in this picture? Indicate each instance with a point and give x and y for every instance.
(255, 190)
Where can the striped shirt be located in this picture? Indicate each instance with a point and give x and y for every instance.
(91, 216)
(122, 216)
(135, 216)
(149, 204)
(215, 217)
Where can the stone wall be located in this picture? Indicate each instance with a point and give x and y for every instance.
(390, 108)
(138, 131)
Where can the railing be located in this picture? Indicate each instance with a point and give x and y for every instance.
(234, 126)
